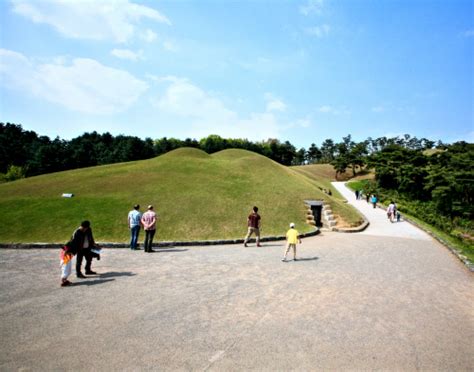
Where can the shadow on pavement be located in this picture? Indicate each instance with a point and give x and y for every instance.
(308, 259)
(163, 250)
(267, 245)
(113, 274)
(91, 282)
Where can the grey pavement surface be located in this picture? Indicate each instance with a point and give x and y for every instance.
(354, 302)
(379, 223)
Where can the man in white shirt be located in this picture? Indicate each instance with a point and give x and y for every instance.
(391, 210)
(134, 222)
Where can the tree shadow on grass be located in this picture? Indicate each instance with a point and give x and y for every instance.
(92, 282)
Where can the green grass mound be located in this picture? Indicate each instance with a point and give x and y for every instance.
(197, 196)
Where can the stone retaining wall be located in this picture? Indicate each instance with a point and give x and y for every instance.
(156, 244)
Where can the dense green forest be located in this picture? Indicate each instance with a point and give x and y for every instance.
(436, 186)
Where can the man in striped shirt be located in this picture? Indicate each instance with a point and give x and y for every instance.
(149, 224)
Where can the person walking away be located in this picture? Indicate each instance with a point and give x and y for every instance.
(149, 225)
(391, 211)
(253, 224)
(357, 194)
(292, 237)
(374, 201)
(134, 222)
(82, 242)
(367, 197)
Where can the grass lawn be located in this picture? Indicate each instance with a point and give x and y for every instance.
(465, 249)
(196, 195)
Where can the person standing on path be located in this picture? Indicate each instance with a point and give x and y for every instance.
(149, 225)
(292, 238)
(357, 194)
(82, 242)
(253, 224)
(134, 222)
(391, 210)
(373, 199)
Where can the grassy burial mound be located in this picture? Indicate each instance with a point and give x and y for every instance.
(196, 195)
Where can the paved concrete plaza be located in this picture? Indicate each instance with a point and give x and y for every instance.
(353, 301)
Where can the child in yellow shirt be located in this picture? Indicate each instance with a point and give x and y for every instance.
(292, 237)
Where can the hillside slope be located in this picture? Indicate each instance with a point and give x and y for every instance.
(196, 195)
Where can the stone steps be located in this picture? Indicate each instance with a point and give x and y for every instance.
(327, 218)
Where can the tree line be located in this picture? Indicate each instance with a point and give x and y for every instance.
(25, 153)
(436, 186)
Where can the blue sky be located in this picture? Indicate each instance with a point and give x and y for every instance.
(301, 71)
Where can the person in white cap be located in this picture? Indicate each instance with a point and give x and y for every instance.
(292, 237)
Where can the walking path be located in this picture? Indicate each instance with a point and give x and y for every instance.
(379, 223)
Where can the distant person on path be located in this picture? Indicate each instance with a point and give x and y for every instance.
(82, 242)
(367, 197)
(134, 222)
(149, 225)
(391, 210)
(373, 200)
(292, 238)
(357, 194)
(253, 224)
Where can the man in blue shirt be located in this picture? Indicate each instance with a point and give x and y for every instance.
(134, 221)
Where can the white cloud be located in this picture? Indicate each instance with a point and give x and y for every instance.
(82, 85)
(312, 7)
(170, 46)
(128, 54)
(164, 79)
(207, 114)
(468, 33)
(274, 104)
(326, 109)
(116, 20)
(149, 36)
(303, 123)
(342, 110)
(318, 31)
(378, 109)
